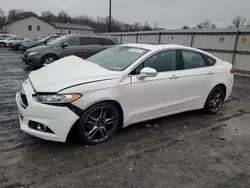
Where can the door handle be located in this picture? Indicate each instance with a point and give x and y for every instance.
(210, 73)
(174, 77)
(81, 50)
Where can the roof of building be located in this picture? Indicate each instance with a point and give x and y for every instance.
(24, 17)
(55, 24)
(72, 26)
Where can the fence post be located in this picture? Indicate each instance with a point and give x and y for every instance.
(192, 38)
(159, 40)
(121, 38)
(235, 46)
(136, 39)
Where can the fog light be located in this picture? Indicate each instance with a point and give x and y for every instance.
(41, 127)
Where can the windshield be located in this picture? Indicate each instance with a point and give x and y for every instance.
(117, 58)
(28, 40)
(10, 38)
(58, 40)
(43, 39)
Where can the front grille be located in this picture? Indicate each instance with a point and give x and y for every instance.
(24, 101)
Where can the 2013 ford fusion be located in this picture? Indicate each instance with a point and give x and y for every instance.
(118, 87)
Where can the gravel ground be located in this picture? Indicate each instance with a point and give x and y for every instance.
(190, 150)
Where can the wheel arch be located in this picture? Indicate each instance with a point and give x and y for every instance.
(218, 84)
(52, 54)
(3, 43)
(111, 101)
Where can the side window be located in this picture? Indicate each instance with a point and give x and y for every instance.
(30, 27)
(85, 41)
(163, 61)
(210, 60)
(75, 41)
(38, 28)
(107, 42)
(193, 60)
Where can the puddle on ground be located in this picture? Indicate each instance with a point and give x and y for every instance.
(239, 126)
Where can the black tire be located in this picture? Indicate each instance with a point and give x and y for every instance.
(18, 47)
(45, 59)
(2, 45)
(215, 100)
(90, 127)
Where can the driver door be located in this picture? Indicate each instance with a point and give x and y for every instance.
(152, 97)
(72, 48)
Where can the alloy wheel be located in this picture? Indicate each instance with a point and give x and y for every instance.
(49, 60)
(216, 100)
(100, 124)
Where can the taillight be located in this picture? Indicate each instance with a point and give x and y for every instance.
(232, 70)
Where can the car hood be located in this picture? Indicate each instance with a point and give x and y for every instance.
(30, 43)
(38, 48)
(67, 72)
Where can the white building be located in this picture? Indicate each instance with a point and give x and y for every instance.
(65, 28)
(34, 26)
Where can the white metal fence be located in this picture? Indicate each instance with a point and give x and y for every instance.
(232, 45)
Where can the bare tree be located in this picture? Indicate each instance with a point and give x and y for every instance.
(206, 24)
(63, 17)
(14, 14)
(237, 22)
(48, 16)
(3, 18)
(185, 27)
(146, 27)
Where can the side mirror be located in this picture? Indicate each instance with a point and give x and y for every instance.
(64, 45)
(147, 72)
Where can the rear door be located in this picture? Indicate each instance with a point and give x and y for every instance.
(107, 43)
(196, 80)
(89, 46)
(72, 48)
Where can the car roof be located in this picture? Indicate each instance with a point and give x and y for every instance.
(91, 35)
(157, 47)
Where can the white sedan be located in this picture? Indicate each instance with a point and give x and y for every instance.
(5, 42)
(118, 87)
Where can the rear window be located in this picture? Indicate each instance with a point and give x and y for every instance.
(89, 41)
(210, 60)
(107, 42)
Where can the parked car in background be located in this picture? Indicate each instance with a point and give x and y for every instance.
(118, 87)
(4, 36)
(7, 41)
(82, 46)
(17, 44)
(27, 45)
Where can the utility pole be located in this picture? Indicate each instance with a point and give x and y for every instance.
(110, 16)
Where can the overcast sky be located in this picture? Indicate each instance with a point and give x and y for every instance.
(170, 14)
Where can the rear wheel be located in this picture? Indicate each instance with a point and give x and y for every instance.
(18, 47)
(215, 100)
(2, 44)
(49, 59)
(98, 123)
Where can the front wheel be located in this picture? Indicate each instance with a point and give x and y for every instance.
(2, 45)
(215, 100)
(99, 123)
(49, 59)
(18, 47)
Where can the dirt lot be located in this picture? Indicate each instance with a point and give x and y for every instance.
(190, 150)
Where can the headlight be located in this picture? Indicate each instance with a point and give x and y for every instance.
(56, 98)
(33, 53)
